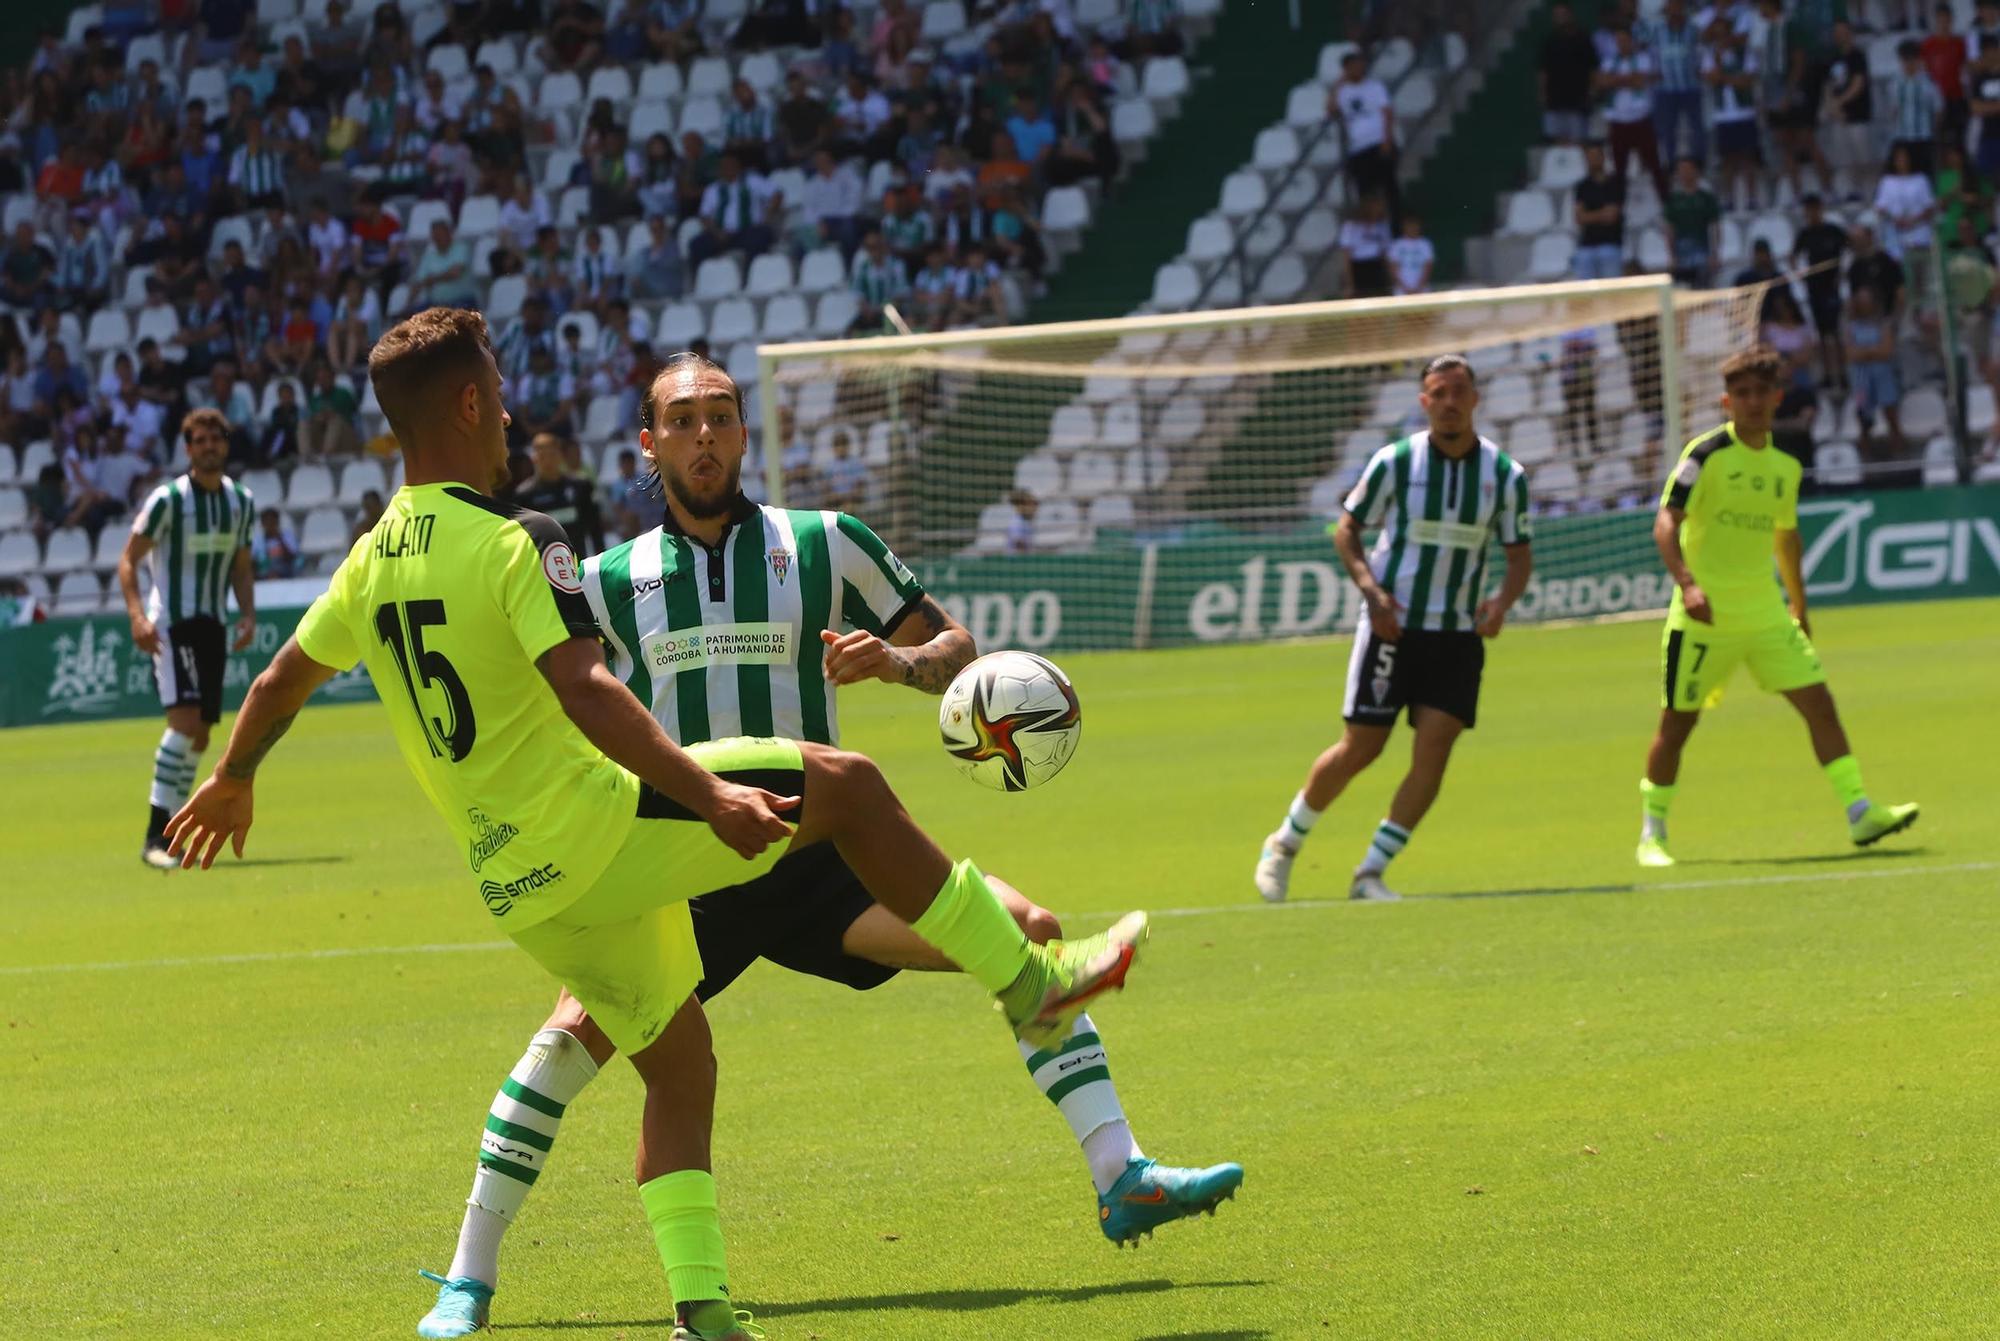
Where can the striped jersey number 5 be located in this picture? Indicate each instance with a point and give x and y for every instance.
(402, 628)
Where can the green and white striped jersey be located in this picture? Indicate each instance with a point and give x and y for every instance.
(1436, 517)
(196, 533)
(725, 642)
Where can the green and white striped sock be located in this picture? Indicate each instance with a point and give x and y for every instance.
(1390, 838)
(520, 1131)
(174, 764)
(1076, 1077)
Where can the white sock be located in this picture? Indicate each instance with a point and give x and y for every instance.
(1653, 826)
(1297, 823)
(1390, 838)
(174, 765)
(1076, 1077)
(520, 1131)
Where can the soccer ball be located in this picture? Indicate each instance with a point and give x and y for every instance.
(1011, 720)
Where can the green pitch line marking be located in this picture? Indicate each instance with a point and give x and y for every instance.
(1248, 908)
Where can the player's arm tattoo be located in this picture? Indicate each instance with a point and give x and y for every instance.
(946, 648)
(242, 770)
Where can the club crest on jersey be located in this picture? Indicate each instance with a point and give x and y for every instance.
(781, 564)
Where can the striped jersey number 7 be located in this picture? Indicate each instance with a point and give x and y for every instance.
(402, 627)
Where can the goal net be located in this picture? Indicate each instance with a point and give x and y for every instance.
(1160, 481)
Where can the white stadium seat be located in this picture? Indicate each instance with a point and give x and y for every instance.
(786, 318)
(661, 82)
(1283, 280)
(732, 320)
(708, 77)
(679, 326)
(325, 532)
(1040, 474)
(14, 513)
(1133, 121)
(68, 550)
(822, 270)
(1165, 79)
(1066, 209)
(1073, 426)
(1112, 512)
(602, 421)
(1209, 239)
(479, 216)
(356, 479)
(612, 82)
(558, 92)
(770, 274)
(1092, 472)
(718, 277)
(110, 330)
(1550, 258)
(1175, 287)
(835, 313)
(448, 59)
(1305, 108)
(311, 485)
(1529, 214)
(1243, 194)
(1059, 524)
(19, 554)
(1277, 148)
(943, 19)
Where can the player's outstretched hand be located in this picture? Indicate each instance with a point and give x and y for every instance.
(1489, 618)
(218, 812)
(750, 819)
(1382, 612)
(857, 656)
(1695, 601)
(145, 636)
(246, 631)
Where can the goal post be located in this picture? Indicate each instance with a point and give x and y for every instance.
(1168, 480)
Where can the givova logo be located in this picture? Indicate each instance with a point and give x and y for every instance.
(500, 898)
(1855, 553)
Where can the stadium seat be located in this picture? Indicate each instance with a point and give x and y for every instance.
(148, 47)
(1529, 214)
(1133, 122)
(1243, 194)
(1040, 474)
(1074, 426)
(719, 277)
(659, 83)
(1551, 256)
(110, 330)
(499, 53)
(422, 215)
(1415, 96)
(1940, 460)
(20, 209)
(1112, 512)
(110, 542)
(558, 92)
(479, 216)
(1209, 239)
(1264, 240)
(786, 318)
(1731, 249)
(708, 77)
(835, 313)
(815, 402)
(604, 419)
(1924, 413)
(1181, 419)
(1837, 464)
(1122, 427)
(702, 116)
(585, 322)
(1532, 441)
(1277, 148)
(943, 19)
(1393, 60)
(733, 319)
(504, 299)
(822, 270)
(68, 550)
(762, 71)
(1094, 14)
(789, 183)
(1299, 194)
(1283, 280)
(1508, 396)
(1979, 408)
(1175, 287)
(1059, 524)
(650, 119)
(1327, 496)
(447, 58)
(356, 479)
(311, 486)
(234, 228)
(19, 554)
(1305, 108)
(266, 486)
(611, 82)
(679, 326)
(1165, 79)
(883, 439)
(1066, 209)
(1330, 57)
(1144, 469)
(1562, 168)
(743, 369)
(770, 274)
(208, 83)
(79, 594)
(1316, 232)
(1612, 476)
(1552, 479)
(990, 535)
(134, 296)
(14, 513)
(325, 532)
(1092, 472)
(561, 163)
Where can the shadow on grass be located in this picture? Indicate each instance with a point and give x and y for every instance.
(1814, 858)
(953, 1301)
(331, 859)
(1209, 1336)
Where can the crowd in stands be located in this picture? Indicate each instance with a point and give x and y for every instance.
(1858, 152)
(254, 201)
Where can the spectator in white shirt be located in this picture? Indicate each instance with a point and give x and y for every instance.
(1368, 128)
(141, 418)
(861, 115)
(948, 173)
(736, 212)
(1907, 205)
(1627, 80)
(1364, 249)
(1412, 258)
(596, 273)
(522, 215)
(435, 105)
(328, 238)
(830, 206)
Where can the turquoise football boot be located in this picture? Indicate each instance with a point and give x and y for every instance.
(1149, 1194)
(460, 1309)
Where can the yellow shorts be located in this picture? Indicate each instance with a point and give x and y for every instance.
(1696, 662)
(625, 948)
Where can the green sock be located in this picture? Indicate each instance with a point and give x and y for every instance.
(974, 929)
(1845, 775)
(1653, 802)
(681, 1208)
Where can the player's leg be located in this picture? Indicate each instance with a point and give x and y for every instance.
(1374, 696)
(1135, 1194)
(564, 1055)
(1783, 660)
(179, 667)
(950, 904)
(1656, 788)
(1436, 731)
(1695, 663)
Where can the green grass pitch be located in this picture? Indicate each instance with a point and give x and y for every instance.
(1545, 1096)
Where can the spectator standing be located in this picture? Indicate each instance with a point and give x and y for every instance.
(1729, 69)
(1412, 257)
(1364, 248)
(1368, 128)
(1849, 108)
(1873, 269)
(1819, 246)
(1916, 106)
(1871, 361)
(1906, 204)
(1599, 209)
(1582, 426)
(1678, 101)
(1945, 58)
(1693, 214)
(1791, 103)
(1627, 80)
(1563, 77)
(1983, 102)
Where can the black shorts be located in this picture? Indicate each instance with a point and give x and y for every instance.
(1423, 669)
(793, 915)
(1825, 305)
(193, 655)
